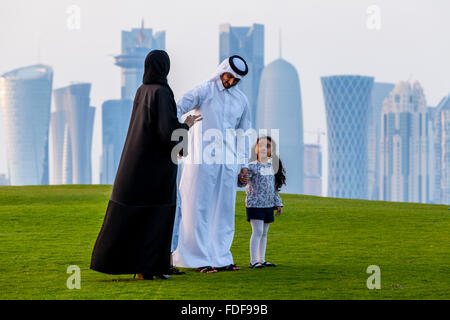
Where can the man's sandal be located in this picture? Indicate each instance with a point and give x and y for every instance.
(230, 267)
(207, 269)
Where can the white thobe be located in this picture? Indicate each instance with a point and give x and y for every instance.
(208, 190)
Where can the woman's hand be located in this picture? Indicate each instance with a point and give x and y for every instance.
(192, 119)
(279, 210)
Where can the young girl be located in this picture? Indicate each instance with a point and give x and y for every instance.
(262, 197)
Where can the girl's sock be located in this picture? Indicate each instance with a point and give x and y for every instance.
(263, 243)
(257, 232)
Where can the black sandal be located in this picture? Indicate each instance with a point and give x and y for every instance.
(230, 267)
(207, 269)
(256, 265)
(268, 264)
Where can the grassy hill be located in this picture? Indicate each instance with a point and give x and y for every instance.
(323, 247)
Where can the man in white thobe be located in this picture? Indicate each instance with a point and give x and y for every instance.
(215, 160)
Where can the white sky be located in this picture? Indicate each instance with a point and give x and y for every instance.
(320, 37)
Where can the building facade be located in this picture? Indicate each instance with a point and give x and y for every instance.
(25, 99)
(347, 102)
(380, 91)
(313, 170)
(404, 144)
(72, 128)
(441, 120)
(115, 120)
(247, 42)
(136, 44)
(279, 111)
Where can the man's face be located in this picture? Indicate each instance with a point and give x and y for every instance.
(228, 80)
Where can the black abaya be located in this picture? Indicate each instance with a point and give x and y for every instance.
(136, 233)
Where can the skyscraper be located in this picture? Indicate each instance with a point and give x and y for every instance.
(380, 91)
(115, 118)
(72, 128)
(442, 151)
(280, 108)
(25, 97)
(403, 148)
(313, 170)
(136, 44)
(247, 42)
(347, 101)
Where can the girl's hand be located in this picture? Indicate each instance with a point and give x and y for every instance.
(279, 210)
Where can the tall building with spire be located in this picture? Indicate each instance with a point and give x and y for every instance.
(404, 144)
(72, 127)
(25, 98)
(247, 42)
(136, 44)
(347, 103)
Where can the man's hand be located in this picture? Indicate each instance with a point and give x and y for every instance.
(279, 209)
(243, 176)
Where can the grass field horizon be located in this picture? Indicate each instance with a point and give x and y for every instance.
(322, 246)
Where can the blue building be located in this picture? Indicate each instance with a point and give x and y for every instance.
(347, 102)
(25, 98)
(115, 118)
(72, 127)
(380, 91)
(247, 42)
(136, 44)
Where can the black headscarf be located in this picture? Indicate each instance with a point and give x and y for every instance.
(157, 66)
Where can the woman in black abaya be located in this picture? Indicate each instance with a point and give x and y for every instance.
(136, 233)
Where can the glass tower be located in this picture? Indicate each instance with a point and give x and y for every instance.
(72, 128)
(25, 98)
(115, 118)
(380, 91)
(441, 122)
(136, 44)
(280, 108)
(347, 102)
(404, 145)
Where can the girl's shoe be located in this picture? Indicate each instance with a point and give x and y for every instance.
(268, 264)
(256, 265)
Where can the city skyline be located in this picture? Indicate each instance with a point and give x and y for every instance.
(344, 31)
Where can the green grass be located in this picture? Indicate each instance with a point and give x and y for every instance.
(323, 247)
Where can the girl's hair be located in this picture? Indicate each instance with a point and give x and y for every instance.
(280, 172)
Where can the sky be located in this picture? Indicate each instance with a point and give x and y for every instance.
(402, 40)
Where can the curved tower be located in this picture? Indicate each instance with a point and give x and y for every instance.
(280, 107)
(347, 101)
(72, 123)
(25, 97)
